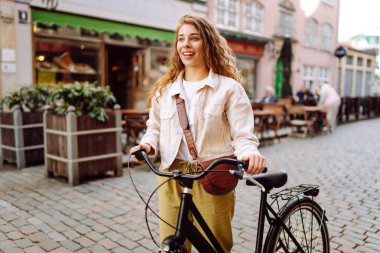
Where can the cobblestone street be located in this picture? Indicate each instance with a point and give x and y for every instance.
(40, 214)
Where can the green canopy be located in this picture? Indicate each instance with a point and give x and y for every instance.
(99, 25)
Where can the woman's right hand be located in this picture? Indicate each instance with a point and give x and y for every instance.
(144, 146)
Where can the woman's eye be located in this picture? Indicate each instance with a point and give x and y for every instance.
(195, 39)
(181, 39)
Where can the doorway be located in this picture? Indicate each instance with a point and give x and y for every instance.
(120, 73)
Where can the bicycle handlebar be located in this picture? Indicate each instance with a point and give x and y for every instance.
(238, 172)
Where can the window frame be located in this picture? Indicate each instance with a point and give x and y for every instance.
(288, 24)
(226, 14)
(311, 33)
(308, 75)
(256, 17)
(326, 38)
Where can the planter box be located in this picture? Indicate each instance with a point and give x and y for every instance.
(21, 138)
(80, 147)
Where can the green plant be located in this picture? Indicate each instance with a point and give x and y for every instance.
(87, 98)
(28, 98)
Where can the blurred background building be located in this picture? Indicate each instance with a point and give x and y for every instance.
(125, 43)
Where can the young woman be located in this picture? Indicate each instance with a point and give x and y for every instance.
(202, 70)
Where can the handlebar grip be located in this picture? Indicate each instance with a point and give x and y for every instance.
(246, 163)
(139, 154)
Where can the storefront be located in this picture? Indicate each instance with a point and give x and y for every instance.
(248, 50)
(126, 57)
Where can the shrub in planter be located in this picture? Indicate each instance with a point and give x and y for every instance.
(82, 132)
(21, 128)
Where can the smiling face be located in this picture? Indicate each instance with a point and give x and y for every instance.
(190, 47)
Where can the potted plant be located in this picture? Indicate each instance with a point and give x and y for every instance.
(21, 125)
(82, 132)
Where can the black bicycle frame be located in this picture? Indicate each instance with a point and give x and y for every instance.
(186, 228)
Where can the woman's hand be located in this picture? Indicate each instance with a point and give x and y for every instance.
(144, 146)
(257, 163)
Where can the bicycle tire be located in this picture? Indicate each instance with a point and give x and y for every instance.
(296, 215)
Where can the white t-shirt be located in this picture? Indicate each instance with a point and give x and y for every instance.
(191, 96)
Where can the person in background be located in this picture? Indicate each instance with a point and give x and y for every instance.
(269, 95)
(330, 101)
(304, 95)
(202, 71)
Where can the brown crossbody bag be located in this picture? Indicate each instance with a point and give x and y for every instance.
(216, 183)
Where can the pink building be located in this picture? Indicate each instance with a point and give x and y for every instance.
(256, 30)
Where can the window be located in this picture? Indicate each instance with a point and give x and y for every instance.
(369, 63)
(326, 37)
(254, 17)
(360, 61)
(347, 82)
(324, 74)
(308, 76)
(311, 33)
(349, 60)
(227, 13)
(358, 83)
(286, 23)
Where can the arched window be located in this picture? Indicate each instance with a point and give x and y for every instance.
(326, 36)
(253, 17)
(286, 19)
(226, 13)
(311, 32)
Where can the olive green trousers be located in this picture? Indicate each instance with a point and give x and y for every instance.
(217, 211)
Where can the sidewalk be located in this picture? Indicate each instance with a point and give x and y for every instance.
(40, 214)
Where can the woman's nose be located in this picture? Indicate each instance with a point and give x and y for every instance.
(186, 43)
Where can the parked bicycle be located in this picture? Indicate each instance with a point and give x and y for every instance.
(299, 225)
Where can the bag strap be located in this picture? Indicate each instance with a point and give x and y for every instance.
(184, 122)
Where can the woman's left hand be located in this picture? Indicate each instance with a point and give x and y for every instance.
(257, 163)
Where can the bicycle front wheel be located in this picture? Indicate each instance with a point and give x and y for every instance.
(307, 223)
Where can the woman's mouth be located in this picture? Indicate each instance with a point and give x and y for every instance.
(188, 55)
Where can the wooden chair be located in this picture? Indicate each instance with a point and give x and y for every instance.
(280, 118)
(302, 124)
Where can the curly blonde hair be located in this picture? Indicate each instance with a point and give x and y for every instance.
(218, 55)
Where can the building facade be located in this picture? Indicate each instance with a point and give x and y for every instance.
(355, 72)
(125, 43)
(312, 27)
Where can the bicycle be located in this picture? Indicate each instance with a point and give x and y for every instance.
(298, 226)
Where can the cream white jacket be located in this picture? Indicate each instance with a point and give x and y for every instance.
(223, 123)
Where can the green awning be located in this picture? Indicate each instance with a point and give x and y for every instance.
(99, 25)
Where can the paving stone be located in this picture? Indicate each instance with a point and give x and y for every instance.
(84, 241)
(14, 235)
(48, 244)
(24, 243)
(61, 250)
(71, 234)
(98, 249)
(34, 249)
(129, 244)
(70, 245)
(113, 236)
(107, 243)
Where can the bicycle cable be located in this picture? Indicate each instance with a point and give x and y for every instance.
(147, 203)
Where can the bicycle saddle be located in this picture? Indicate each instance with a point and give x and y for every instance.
(271, 180)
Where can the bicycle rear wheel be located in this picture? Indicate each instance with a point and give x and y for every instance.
(306, 222)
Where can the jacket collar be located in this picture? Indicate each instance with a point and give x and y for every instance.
(177, 86)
